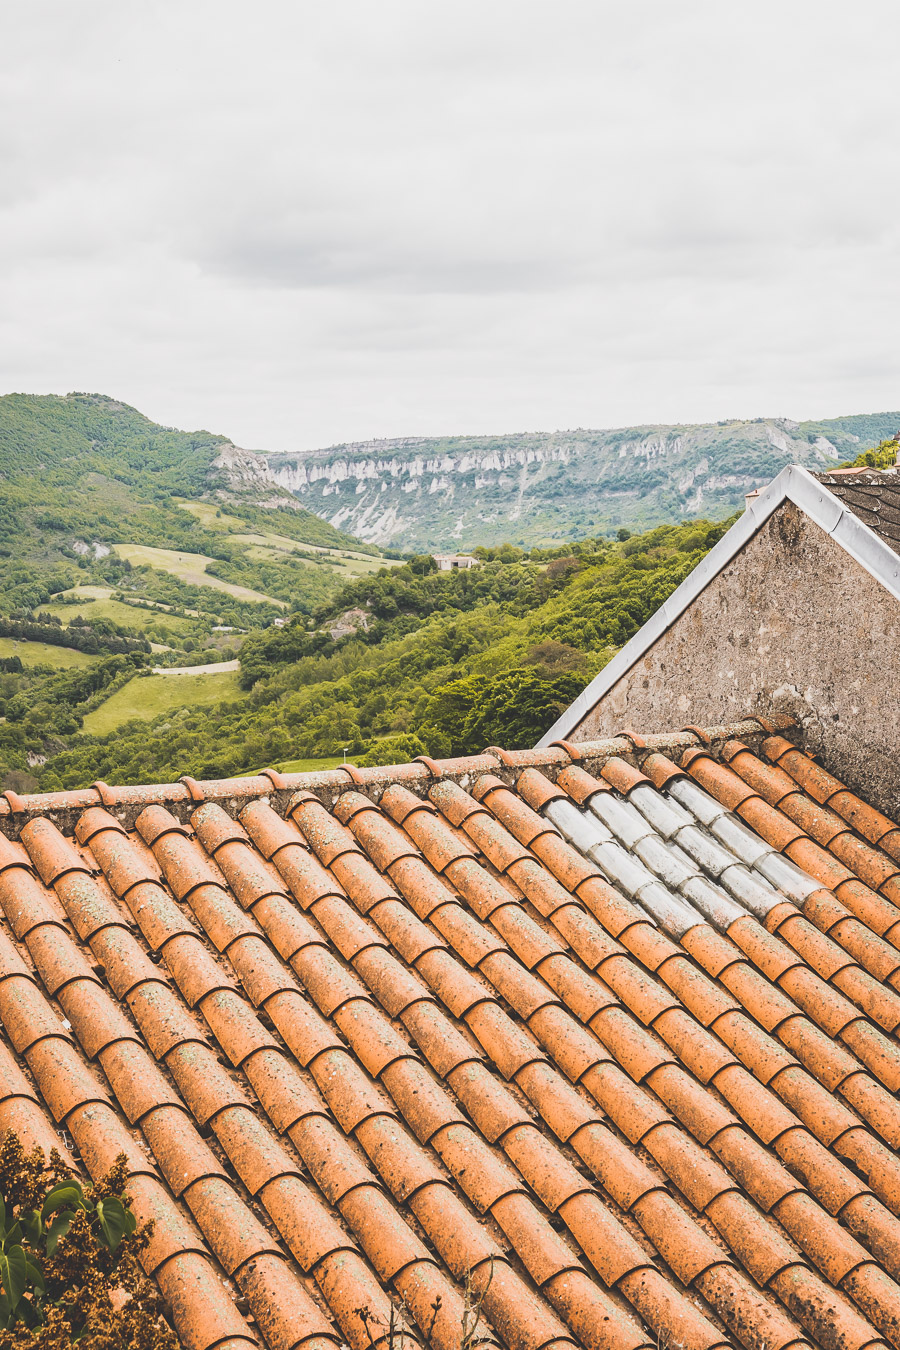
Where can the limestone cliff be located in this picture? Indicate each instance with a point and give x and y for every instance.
(456, 492)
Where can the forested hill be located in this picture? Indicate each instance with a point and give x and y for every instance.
(85, 479)
(123, 547)
(84, 459)
(55, 440)
(538, 488)
(422, 662)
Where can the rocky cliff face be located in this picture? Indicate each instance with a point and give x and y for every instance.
(418, 494)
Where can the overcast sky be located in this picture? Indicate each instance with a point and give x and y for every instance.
(300, 222)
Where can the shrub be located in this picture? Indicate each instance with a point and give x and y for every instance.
(512, 709)
(400, 749)
(69, 1264)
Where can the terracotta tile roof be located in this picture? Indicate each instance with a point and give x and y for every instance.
(871, 494)
(599, 1037)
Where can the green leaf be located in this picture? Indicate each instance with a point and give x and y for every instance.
(35, 1276)
(29, 1312)
(2, 1215)
(58, 1229)
(31, 1225)
(113, 1221)
(14, 1275)
(66, 1193)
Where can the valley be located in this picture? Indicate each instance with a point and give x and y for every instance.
(169, 605)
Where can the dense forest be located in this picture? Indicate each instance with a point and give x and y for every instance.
(448, 664)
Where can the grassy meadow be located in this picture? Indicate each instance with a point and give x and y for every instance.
(42, 654)
(147, 696)
(96, 602)
(306, 765)
(190, 568)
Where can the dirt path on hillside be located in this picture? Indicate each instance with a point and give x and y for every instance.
(214, 668)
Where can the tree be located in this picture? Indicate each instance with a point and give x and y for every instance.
(513, 709)
(421, 564)
(883, 456)
(400, 749)
(553, 658)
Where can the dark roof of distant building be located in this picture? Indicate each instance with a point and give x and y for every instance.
(600, 1037)
(871, 494)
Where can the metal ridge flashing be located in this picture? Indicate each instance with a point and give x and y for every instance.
(794, 484)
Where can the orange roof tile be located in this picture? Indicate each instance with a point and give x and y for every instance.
(606, 1047)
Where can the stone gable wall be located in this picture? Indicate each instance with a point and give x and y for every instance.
(791, 625)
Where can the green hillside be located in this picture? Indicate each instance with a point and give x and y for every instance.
(447, 663)
(128, 546)
(98, 503)
(123, 545)
(84, 479)
(60, 440)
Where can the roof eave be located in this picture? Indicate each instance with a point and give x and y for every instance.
(794, 484)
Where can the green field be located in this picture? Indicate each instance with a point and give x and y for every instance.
(89, 592)
(42, 654)
(146, 696)
(210, 518)
(271, 546)
(190, 568)
(95, 602)
(266, 545)
(305, 765)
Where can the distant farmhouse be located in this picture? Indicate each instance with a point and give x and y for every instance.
(455, 562)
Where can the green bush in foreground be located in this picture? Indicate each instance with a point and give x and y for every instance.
(69, 1267)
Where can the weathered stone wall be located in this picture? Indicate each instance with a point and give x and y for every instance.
(791, 625)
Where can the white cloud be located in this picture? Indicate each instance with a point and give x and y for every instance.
(301, 223)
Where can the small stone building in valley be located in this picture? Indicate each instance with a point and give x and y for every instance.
(455, 562)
